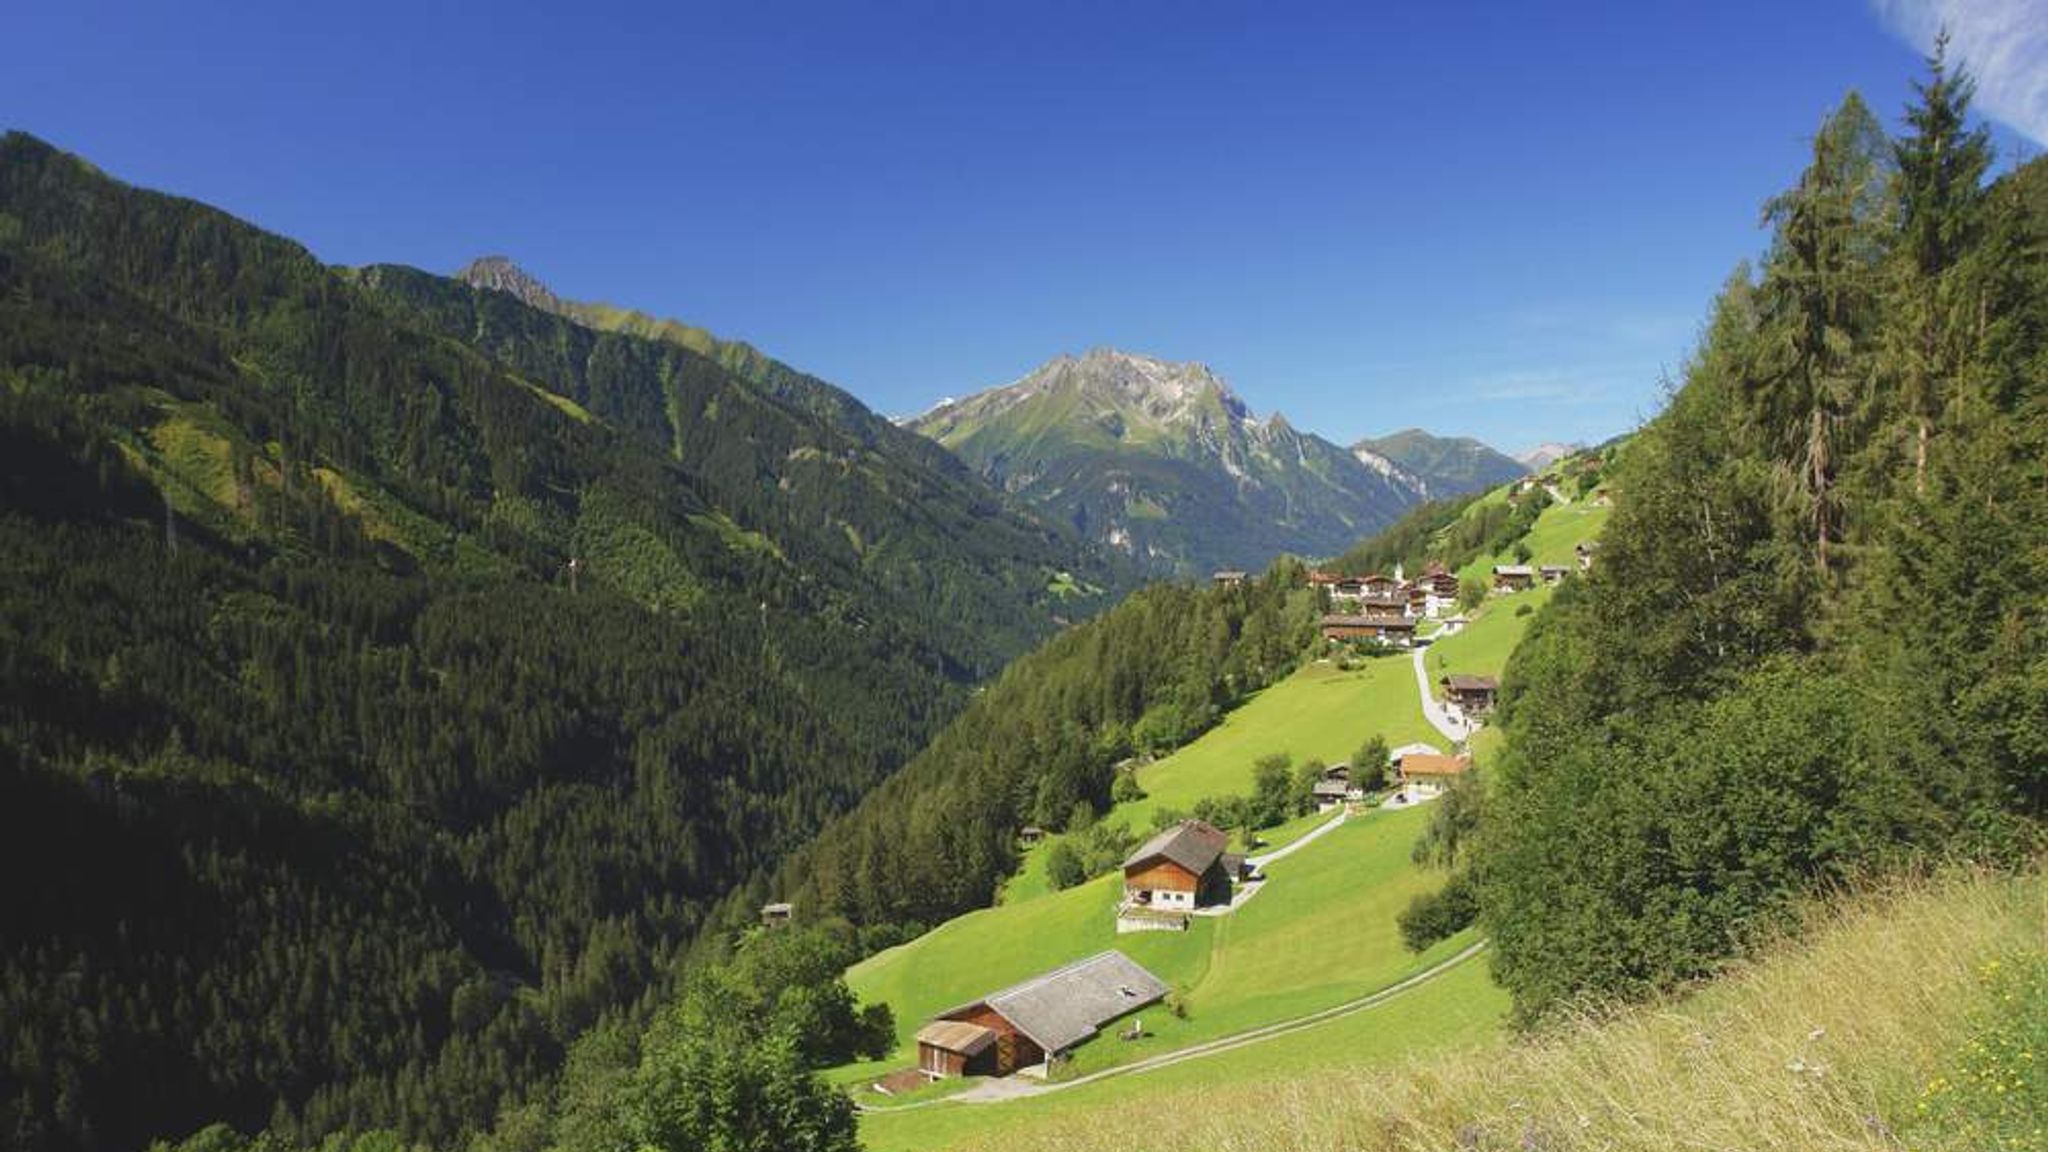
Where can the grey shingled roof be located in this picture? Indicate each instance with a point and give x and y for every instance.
(1065, 1006)
(1191, 844)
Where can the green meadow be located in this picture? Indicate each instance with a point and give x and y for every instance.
(1459, 1010)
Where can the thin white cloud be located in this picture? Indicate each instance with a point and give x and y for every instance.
(2004, 44)
(1590, 384)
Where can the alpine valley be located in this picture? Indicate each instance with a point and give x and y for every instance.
(438, 715)
(1165, 463)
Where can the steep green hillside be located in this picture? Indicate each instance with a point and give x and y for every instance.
(1446, 465)
(395, 678)
(1165, 463)
(1909, 1019)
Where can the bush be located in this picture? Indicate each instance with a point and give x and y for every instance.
(1126, 790)
(1063, 866)
(1369, 763)
(1273, 795)
(1434, 916)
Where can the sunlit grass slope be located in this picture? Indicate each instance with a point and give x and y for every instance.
(1460, 1009)
(1317, 713)
(1908, 1018)
(1322, 932)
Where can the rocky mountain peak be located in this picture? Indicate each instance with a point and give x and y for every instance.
(500, 274)
(1164, 390)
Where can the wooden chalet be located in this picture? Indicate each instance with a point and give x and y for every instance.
(1439, 591)
(1553, 573)
(1328, 793)
(776, 915)
(1472, 694)
(1585, 552)
(1030, 834)
(1228, 578)
(1513, 577)
(1393, 604)
(1036, 1021)
(1182, 868)
(1423, 774)
(1380, 584)
(1390, 628)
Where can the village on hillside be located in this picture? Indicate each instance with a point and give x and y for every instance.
(1130, 982)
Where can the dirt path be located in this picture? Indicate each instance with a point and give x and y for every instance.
(1014, 1088)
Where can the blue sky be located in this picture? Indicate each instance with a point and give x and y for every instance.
(1496, 220)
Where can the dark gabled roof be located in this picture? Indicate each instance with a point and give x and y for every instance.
(1065, 1006)
(1392, 605)
(1463, 683)
(1395, 622)
(1191, 844)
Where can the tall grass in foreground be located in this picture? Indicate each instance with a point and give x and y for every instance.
(1831, 1041)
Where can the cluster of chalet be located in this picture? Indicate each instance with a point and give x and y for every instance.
(1035, 1022)
(1522, 577)
(1382, 607)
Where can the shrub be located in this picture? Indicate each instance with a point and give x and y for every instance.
(1436, 915)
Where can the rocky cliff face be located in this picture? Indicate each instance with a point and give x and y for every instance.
(500, 274)
(1165, 462)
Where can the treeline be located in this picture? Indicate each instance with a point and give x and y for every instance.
(333, 797)
(1040, 745)
(1448, 532)
(1813, 643)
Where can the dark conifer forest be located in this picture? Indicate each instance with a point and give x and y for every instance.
(395, 680)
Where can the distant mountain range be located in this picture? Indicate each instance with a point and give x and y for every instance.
(1446, 466)
(1544, 455)
(1164, 462)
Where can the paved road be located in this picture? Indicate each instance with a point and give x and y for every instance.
(1440, 718)
(995, 1091)
(1314, 834)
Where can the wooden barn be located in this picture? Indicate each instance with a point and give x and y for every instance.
(1182, 868)
(1036, 1021)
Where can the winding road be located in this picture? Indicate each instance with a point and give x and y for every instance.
(1440, 718)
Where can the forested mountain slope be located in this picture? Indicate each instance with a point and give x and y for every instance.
(1040, 746)
(1446, 465)
(394, 677)
(1812, 644)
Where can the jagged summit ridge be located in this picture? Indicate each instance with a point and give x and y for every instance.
(500, 274)
(1163, 460)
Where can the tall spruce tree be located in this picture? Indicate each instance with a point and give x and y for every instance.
(1940, 169)
(1818, 303)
